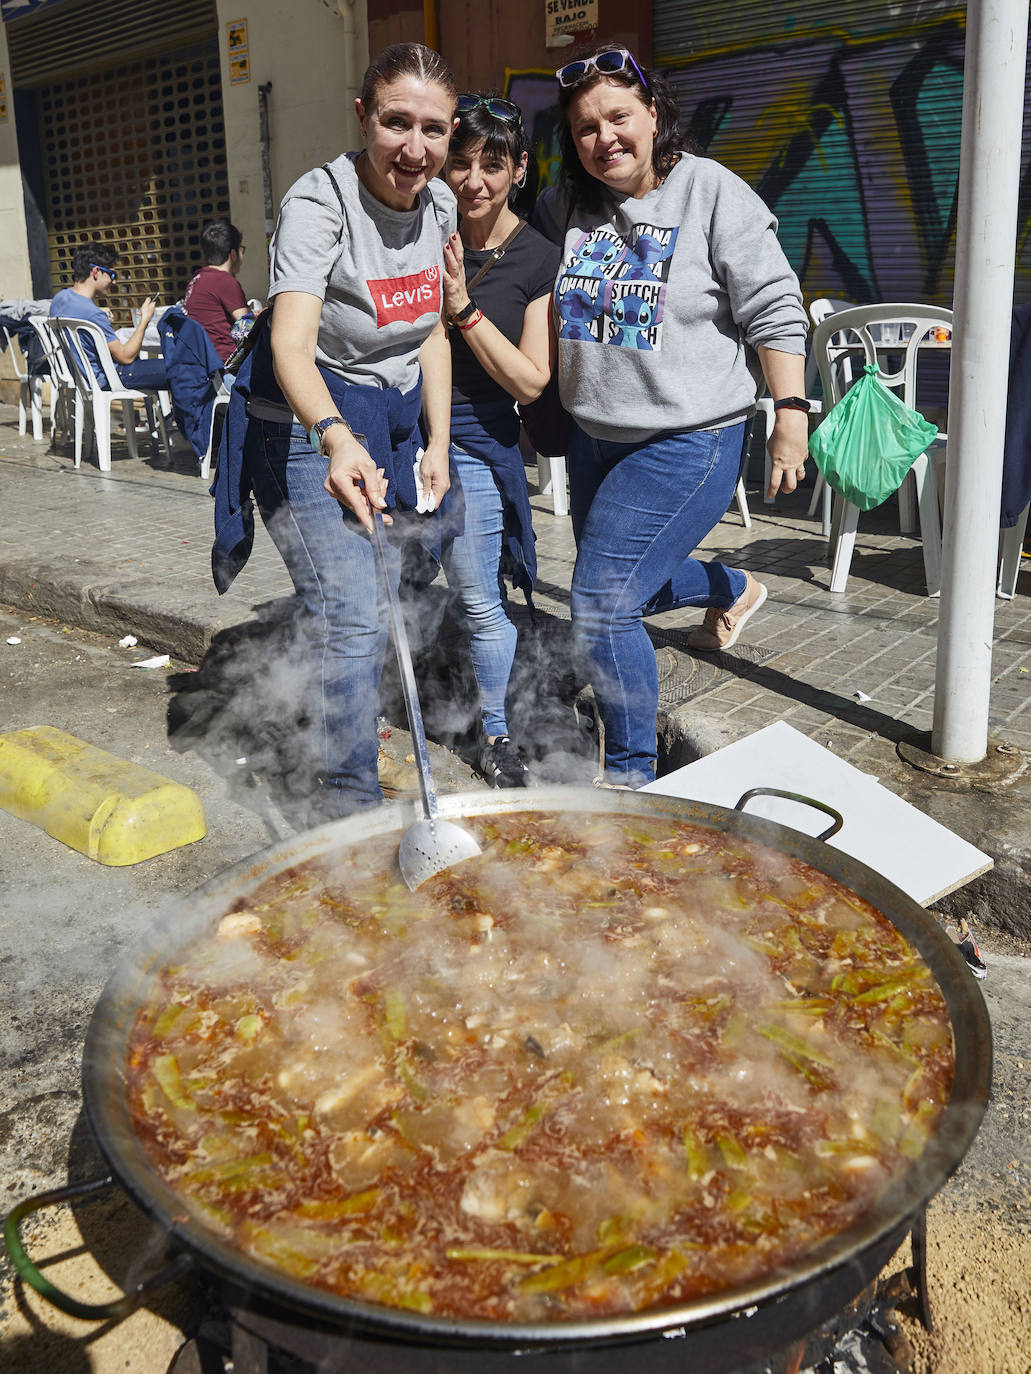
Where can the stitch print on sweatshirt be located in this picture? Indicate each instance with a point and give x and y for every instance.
(613, 287)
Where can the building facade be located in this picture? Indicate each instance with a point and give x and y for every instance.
(134, 122)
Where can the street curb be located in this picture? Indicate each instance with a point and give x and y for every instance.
(87, 597)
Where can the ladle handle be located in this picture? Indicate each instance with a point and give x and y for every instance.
(404, 663)
(87, 1311)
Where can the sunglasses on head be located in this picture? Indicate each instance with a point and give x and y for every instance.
(603, 64)
(493, 104)
(101, 267)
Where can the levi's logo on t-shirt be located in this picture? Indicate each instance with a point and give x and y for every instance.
(406, 298)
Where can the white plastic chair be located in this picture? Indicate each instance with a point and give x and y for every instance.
(554, 482)
(1011, 541)
(221, 402)
(856, 329)
(30, 388)
(96, 401)
(819, 310)
(66, 411)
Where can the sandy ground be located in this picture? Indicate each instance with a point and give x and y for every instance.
(979, 1276)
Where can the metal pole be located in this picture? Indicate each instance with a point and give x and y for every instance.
(989, 175)
(265, 139)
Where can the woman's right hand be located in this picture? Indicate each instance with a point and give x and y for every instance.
(353, 478)
(456, 294)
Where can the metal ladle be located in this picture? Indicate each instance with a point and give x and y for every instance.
(431, 844)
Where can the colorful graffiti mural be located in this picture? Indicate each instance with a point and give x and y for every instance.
(853, 142)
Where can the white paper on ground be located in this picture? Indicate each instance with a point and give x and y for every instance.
(881, 830)
(158, 661)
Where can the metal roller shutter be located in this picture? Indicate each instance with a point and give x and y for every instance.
(129, 135)
(846, 120)
(79, 36)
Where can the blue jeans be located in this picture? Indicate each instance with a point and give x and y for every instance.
(332, 563)
(472, 562)
(638, 510)
(145, 374)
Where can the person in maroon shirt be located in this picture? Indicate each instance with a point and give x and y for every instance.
(214, 298)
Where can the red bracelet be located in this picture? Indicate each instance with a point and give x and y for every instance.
(469, 323)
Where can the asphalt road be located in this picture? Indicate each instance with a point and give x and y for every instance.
(65, 921)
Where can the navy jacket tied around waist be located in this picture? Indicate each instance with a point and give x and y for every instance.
(388, 418)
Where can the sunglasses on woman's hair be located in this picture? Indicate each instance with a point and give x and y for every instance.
(493, 104)
(604, 64)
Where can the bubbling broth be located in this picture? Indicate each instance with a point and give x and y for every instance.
(612, 1063)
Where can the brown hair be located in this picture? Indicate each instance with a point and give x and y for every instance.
(669, 138)
(406, 59)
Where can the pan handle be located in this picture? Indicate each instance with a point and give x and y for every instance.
(30, 1274)
(836, 816)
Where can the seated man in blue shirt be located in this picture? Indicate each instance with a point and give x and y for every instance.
(93, 274)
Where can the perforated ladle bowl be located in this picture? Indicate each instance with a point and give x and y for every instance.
(431, 844)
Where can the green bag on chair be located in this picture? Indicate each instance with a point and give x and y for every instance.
(869, 441)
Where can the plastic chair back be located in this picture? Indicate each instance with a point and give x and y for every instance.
(56, 360)
(862, 328)
(74, 334)
(19, 360)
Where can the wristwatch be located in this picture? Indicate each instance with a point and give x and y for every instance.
(792, 403)
(319, 428)
(465, 312)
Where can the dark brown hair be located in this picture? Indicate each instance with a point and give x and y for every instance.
(406, 59)
(670, 140)
(86, 254)
(498, 136)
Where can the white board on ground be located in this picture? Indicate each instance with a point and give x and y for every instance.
(923, 858)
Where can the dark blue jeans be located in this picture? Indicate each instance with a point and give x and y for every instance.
(145, 374)
(332, 563)
(638, 511)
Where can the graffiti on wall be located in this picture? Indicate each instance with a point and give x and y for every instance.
(853, 143)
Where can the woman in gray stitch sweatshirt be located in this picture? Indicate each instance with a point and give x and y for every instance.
(673, 301)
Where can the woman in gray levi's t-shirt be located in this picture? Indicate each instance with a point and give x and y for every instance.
(356, 347)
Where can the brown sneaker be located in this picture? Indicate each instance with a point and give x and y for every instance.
(720, 629)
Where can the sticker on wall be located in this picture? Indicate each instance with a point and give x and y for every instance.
(564, 18)
(3, 99)
(239, 53)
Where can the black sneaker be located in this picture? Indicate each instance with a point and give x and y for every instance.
(501, 763)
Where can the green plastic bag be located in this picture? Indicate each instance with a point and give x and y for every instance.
(869, 441)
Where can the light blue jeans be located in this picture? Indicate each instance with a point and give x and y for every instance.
(472, 562)
(638, 511)
(333, 565)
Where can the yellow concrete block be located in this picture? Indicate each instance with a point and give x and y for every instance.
(105, 807)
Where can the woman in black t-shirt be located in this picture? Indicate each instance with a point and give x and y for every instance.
(501, 354)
